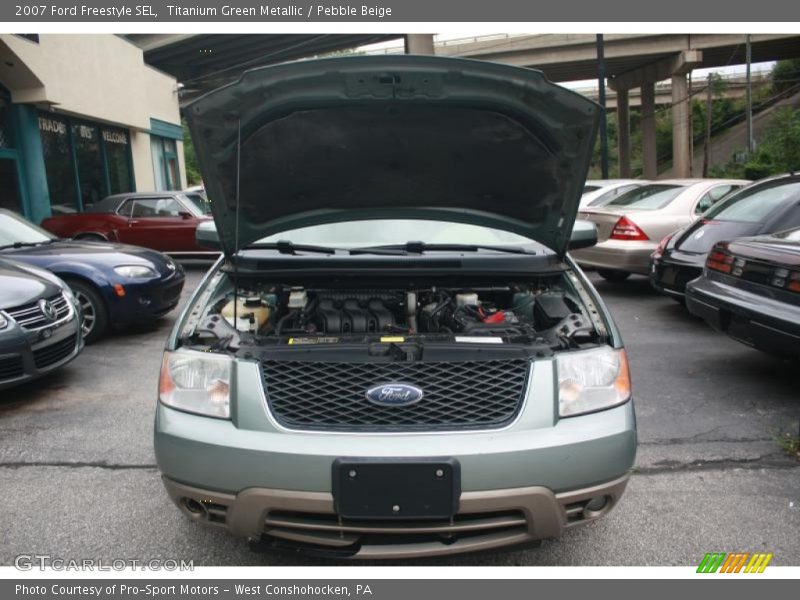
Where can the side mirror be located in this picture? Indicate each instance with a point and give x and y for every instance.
(206, 235)
(584, 235)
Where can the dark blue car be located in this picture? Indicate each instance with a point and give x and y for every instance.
(116, 285)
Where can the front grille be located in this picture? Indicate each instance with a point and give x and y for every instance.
(31, 316)
(457, 395)
(327, 530)
(49, 355)
(11, 367)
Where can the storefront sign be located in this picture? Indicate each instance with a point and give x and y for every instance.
(115, 137)
(52, 126)
(86, 132)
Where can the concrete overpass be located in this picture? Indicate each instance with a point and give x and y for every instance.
(632, 61)
(735, 87)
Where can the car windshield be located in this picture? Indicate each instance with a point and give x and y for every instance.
(16, 230)
(648, 197)
(754, 204)
(590, 188)
(791, 235)
(197, 203)
(382, 232)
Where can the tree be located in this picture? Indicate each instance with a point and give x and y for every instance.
(785, 74)
(193, 176)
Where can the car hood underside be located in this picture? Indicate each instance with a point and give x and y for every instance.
(356, 138)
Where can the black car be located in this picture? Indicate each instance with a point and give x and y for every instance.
(39, 323)
(750, 290)
(764, 207)
(115, 284)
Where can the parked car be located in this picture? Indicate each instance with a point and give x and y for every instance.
(116, 285)
(750, 290)
(163, 221)
(431, 375)
(630, 227)
(599, 192)
(766, 206)
(39, 323)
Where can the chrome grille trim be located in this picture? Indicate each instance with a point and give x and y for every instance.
(29, 316)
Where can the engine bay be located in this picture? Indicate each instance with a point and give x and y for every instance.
(259, 313)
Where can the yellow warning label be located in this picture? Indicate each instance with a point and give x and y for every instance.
(388, 339)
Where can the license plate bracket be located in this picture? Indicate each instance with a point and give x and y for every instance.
(396, 488)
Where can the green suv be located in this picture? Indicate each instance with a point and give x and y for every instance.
(395, 356)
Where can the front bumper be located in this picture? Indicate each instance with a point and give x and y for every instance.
(485, 519)
(753, 319)
(540, 463)
(146, 301)
(27, 355)
(617, 255)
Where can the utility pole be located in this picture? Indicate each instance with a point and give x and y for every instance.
(749, 102)
(707, 138)
(601, 84)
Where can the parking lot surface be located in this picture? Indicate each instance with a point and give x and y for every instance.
(79, 479)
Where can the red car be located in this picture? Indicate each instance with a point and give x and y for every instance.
(164, 221)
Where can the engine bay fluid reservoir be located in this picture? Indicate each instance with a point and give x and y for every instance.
(252, 313)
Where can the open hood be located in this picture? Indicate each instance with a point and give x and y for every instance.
(382, 137)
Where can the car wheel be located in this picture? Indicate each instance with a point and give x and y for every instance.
(615, 276)
(95, 313)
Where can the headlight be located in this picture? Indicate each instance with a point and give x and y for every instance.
(135, 271)
(592, 380)
(196, 382)
(3, 321)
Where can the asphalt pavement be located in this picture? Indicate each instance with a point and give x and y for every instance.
(78, 475)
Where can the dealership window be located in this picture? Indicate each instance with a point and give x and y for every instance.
(84, 161)
(91, 175)
(118, 158)
(57, 151)
(165, 163)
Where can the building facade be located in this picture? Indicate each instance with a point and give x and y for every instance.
(82, 117)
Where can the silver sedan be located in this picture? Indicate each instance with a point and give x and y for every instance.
(630, 227)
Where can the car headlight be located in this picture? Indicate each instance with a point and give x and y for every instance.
(3, 321)
(135, 271)
(592, 380)
(196, 382)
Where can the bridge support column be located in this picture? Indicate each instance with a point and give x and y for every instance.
(681, 126)
(623, 134)
(649, 157)
(419, 43)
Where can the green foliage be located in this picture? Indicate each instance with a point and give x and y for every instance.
(193, 176)
(779, 151)
(785, 74)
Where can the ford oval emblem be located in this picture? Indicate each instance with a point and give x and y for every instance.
(394, 394)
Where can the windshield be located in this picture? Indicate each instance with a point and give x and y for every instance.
(791, 235)
(16, 230)
(590, 188)
(648, 197)
(754, 204)
(383, 232)
(197, 203)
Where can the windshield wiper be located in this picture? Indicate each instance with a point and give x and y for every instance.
(287, 247)
(25, 244)
(422, 247)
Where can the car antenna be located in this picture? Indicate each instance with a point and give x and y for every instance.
(236, 229)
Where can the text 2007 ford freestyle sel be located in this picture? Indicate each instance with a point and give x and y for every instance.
(395, 355)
